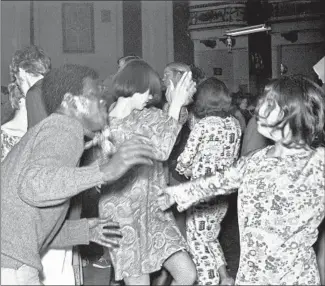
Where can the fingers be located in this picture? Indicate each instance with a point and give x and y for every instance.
(112, 232)
(139, 161)
(161, 203)
(108, 223)
(185, 79)
(107, 242)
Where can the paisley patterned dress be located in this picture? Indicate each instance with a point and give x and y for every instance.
(280, 205)
(150, 236)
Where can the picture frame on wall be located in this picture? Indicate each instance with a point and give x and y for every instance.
(78, 27)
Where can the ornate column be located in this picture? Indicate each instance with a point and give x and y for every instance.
(157, 33)
(209, 20)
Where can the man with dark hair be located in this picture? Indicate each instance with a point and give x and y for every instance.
(40, 175)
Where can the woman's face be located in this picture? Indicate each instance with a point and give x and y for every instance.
(141, 100)
(267, 119)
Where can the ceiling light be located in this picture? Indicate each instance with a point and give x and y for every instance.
(247, 30)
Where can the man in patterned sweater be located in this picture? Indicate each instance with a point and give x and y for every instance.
(41, 174)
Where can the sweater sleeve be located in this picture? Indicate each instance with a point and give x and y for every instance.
(73, 232)
(50, 176)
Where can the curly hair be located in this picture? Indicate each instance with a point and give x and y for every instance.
(303, 106)
(212, 98)
(68, 78)
(34, 61)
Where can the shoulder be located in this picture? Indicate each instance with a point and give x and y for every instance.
(60, 125)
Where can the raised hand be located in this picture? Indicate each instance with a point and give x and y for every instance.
(136, 151)
(184, 90)
(104, 232)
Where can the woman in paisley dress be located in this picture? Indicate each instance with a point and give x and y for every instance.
(280, 188)
(151, 238)
(213, 145)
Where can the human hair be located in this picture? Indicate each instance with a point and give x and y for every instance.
(128, 58)
(68, 78)
(238, 97)
(302, 104)
(34, 61)
(137, 76)
(198, 74)
(176, 67)
(212, 98)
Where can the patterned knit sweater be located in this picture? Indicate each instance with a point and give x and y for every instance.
(38, 178)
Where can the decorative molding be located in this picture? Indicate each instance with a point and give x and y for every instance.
(216, 4)
(78, 27)
(224, 15)
(293, 10)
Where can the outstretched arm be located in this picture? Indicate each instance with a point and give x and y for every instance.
(188, 194)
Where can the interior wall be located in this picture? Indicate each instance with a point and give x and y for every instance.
(157, 33)
(132, 31)
(108, 35)
(14, 32)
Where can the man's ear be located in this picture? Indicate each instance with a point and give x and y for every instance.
(69, 101)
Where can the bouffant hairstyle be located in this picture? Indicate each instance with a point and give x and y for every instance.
(34, 61)
(212, 98)
(302, 104)
(137, 76)
(68, 78)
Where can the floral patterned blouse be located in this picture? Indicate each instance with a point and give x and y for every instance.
(280, 205)
(7, 143)
(213, 144)
(150, 236)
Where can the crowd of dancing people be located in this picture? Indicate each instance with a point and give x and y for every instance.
(163, 154)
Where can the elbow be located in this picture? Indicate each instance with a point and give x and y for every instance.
(31, 198)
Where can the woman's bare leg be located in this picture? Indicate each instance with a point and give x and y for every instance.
(181, 268)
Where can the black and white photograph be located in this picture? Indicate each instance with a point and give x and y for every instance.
(163, 142)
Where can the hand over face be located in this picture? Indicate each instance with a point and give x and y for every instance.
(165, 201)
(184, 90)
(136, 151)
(104, 232)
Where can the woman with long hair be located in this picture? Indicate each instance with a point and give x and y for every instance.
(280, 188)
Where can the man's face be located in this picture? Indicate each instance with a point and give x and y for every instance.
(91, 107)
(169, 75)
